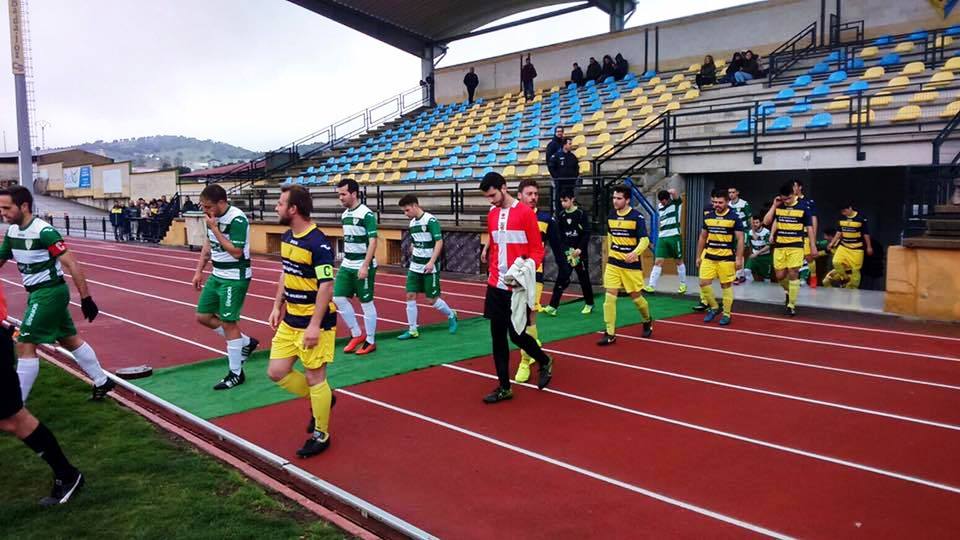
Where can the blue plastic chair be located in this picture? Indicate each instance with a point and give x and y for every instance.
(952, 31)
(494, 146)
(817, 69)
(498, 126)
(455, 151)
(742, 126)
(411, 176)
(311, 180)
(821, 90)
(515, 134)
(609, 80)
(478, 138)
(799, 108)
(489, 158)
(648, 75)
(428, 175)
(445, 175)
(594, 106)
(837, 76)
(858, 86)
(766, 108)
(629, 76)
(856, 63)
(324, 179)
(495, 137)
(552, 121)
(801, 81)
(631, 84)
(509, 159)
(535, 132)
(889, 59)
(832, 57)
(515, 124)
(576, 118)
(786, 93)
(781, 123)
(883, 40)
(820, 120)
(469, 160)
(311, 170)
(465, 174)
(590, 84)
(475, 149)
(300, 180)
(532, 144)
(450, 161)
(919, 35)
(345, 167)
(435, 162)
(289, 180)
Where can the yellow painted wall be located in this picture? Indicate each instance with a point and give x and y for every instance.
(923, 283)
(152, 185)
(54, 172)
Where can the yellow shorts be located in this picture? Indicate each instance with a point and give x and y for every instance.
(288, 343)
(615, 277)
(725, 271)
(850, 258)
(790, 257)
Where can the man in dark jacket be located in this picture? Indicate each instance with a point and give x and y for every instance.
(576, 76)
(620, 67)
(555, 145)
(593, 70)
(471, 81)
(527, 74)
(574, 227)
(565, 171)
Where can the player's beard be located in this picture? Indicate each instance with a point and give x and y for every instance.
(285, 220)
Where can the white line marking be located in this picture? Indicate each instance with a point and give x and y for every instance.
(726, 434)
(847, 327)
(572, 468)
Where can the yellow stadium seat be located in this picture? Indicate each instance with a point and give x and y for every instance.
(636, 91)
(425, 153)
(577, 128)
(649, 120)
(694, 68)
(501, 117)
(904, 47)
(418, 140)
(402, 164)
(943, 41)
(952, 64)
(875, 72)
(664, 98)
(536, 98)
(913, 68)
(641, 100)
(869, 52)
(440, 152)
(692, 93)
(672, 106)
(380, 155)
(685, 85)
(864, 117)
(925, 97)
(603, 149)
(440, 125)
(531, 170)
(519, 108)
(380, 178)
(653, 81)
(364, 178)
(579, 140)
(388, 165)
(580, 152)
(336, 178)
(460, 140)
(454, 124)
(617, 104)
(940, 78)
(408, 154)
(395, 177)
(401, 145)
(584, 166)
(621, 113)
(719, 63)
(898, 81)
(598, 127)
(950, 110)
(602, 138)
(627, 134)
(532, 156)
(472, 114)
(839, 103)
(907, 113)
(659, 89)
(645, 110)
(596, 116)
(555, 88)
(626, 123)
(509, 170)
(677, 78)
(468, 122)
(395, 154)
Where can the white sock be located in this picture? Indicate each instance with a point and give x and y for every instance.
(349, 316)
(655, 276)
(235, 355)
(370, 321)
(412, 315)
(245, 338)
(682, 273)
(219, 331)
(27, 370)
(442, 307)
(89, 364)
(739, 274)
(748, 273)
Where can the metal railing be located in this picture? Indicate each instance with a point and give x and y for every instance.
(656, 132)
(946, 135)
(837, 30)
(792, 51)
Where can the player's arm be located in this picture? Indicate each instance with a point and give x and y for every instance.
(739, 235)
(202, 264)
(813, 240)
(69, 262)
(673, 194)
(701, 244)
(483, 253)
(323, 259)
(234, 243)
(370, 224)
(279, 302)
(6, 252)
(835, 241)
(768, 217)
(643, 242)
(434, 228)
(868, 244)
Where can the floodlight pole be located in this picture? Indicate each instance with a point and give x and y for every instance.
(20, 91)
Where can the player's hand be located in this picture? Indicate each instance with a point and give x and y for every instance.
(696, 261)
(776, 201)
(483, 255)
(311, 336)
(197, 281)
(428, 268)
(869, 251)
(89, 308)
(363, 271)
(211, 221)
(576, 252)
(813, 253)
(739, 263)
(276, 315)
(632, 257)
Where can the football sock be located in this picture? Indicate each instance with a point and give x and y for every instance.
(643, 307)
(412, 315)
(610, 313)
(349, 316)
(794, 292)
(27, 370)
(727, 300)
(235, 355)
(320, 398)
(706, 296)
(370, 321)
(655, 276)
(295, 382)
(87, 359)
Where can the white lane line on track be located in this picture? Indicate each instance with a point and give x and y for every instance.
(847, 327)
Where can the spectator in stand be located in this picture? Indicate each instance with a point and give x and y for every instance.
(734, 66)
(607, 69)
(565, 169)
(190, 206)
(708, 72)
(750, 69)
(527, 74)
(576, 76)
(555, 145)
(471, 81)
(620, 67)
(593, 70)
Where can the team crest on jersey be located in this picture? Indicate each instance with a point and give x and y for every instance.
(423, 228)
(29, 243)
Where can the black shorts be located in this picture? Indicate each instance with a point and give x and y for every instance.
(496, 305)
(10, 400)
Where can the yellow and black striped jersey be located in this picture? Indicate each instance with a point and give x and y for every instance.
(791, 222)
(721, 234)
(852, 229)
(624, 231)
(307, 262)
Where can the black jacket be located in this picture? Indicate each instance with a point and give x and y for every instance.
(528, 73)
(620, 67)
(565, 165)
(574, 229)
(576, 76)
(593, 71)
(752, 67)
(708, 71)
(470, 80)
(555, 145)
(606, 70)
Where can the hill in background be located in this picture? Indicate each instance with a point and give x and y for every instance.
(165, 151)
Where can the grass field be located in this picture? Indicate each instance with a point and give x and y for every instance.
(141, 481)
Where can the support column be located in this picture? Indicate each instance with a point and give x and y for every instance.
(427, 73)
(20, 91)
(618, 15)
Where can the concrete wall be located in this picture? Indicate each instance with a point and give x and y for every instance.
(54, 175)
(761, 27)
(923, 283)
(152, 185)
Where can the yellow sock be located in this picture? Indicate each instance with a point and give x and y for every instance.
(295, 383)
(854, 279)
(524, 357)
(610, 313)
(320, 398)
(706, 296)
(643, 306)
(794, 292)
(727, 300)
(785, 283)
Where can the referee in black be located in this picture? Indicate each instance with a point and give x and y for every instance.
(574, 225)
(15, 419)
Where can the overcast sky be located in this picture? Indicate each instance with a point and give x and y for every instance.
(255, 73)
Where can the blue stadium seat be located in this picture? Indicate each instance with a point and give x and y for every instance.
(742, 126)
(324, 179)
(289, 180)
(470, 160)
(428, 175)
(590, 84)
(515, 134)
(498, 126)
(799, 108)
(311, 180)
(952, 31)
(353, 150)
(576, 118)
(786, 93)
(856, 63)
(535, 132)
(832, 57)
(367, 158)
(889, 59)
(300, 180)
(594, 106)
(478, 138)
(883, 40)
(311, 170)
(450, 161)
(494, 137)
(455, 151)
(648, 75)
(609, 80)
(341, 160)
(819, 68)
(465, 174)
(532, 144)
(801, 81)
(919, 35)
(411, 177)
(631, 84)
(821, 90)
(516, 116)
(766, 108)
(509, 159)
(435, 162)
(781, 123)
(489, 158)
(552, 121)
(494, 146)
(515, 124)
(629, 76)
(321, 169)
(820, 120)
(475, 149)
(445, 175)
(837, 76)
(858, 86)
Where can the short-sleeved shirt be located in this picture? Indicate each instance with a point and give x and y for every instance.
(359, 226)
(759, 239)
(425, 233)
(307, 262)
(721, 234)
(669, 218)
(791, 222)
(233, 224)
(852, 229)
(36, 248)
(624, 232)
(744, 212)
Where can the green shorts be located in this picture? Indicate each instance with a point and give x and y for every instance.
(761, 267)
(47, 317)
(223, 298)
(348, 284)
(668, 248)
(428, 284)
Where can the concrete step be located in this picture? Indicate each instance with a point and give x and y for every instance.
(932, 242)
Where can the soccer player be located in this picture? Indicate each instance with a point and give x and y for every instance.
(719, 255)
(669, 245)
(811, 206)
(791, 226)
(227, 245)
(744, 213)
(514, 234)
(303, 315)
(851, 241)
(41, 255)
(626, 241)
(358, 270)
(573, 224)
(423, 276)
(760, 263)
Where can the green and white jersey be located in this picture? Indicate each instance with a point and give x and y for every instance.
(425, 232)
(36, 249)
(234, 225)
(359, 226)
(670, 218)
(744, 212)
(759, 239)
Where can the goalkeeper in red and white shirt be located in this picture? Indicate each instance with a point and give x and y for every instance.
(513, 234)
